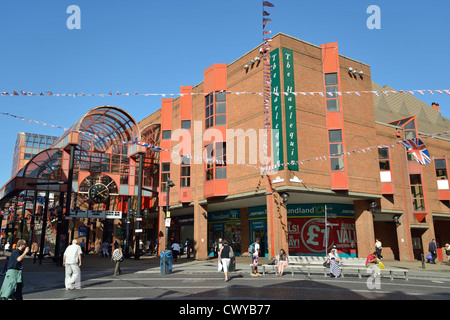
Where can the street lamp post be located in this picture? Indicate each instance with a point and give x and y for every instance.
(170, 184)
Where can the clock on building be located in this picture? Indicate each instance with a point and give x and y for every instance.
(98, 193)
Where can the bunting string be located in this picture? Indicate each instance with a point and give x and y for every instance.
(265, 93)
(266, 78)
(264, 169)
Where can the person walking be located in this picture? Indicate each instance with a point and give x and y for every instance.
(188, 248)
(255, 258)
(378, 248)
(72, 263)
(282, 262)
(117, 258)
(333, 260)
(432, 248)
(176, 250)
(225, 255)
(105, 249)
(217, 246)
(13, 283)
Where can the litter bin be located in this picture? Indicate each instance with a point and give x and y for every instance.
(165, 262)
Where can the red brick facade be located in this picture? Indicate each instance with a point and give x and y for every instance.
(358, 184)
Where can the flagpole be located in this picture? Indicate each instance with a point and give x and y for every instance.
(326, 231)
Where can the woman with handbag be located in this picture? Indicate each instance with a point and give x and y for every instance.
(117, 257)
(333, 260)
(225, 255)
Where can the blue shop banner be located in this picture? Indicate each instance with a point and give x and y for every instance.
(259, 212)
(224, 216)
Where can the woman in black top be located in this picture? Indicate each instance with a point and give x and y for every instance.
(225, 254)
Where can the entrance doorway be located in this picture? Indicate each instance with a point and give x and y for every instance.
(416, 235)
(262, 235)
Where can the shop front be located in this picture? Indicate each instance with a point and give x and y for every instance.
(257, 217)
(226, 225)
(307, 232)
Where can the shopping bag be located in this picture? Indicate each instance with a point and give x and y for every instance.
(381, 265)
(219, 266)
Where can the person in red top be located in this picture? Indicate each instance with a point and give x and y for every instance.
(372, 263)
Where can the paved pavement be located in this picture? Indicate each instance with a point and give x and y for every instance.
(151, 264)
(193, 280)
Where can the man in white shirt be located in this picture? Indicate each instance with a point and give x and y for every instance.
(72, 262)
(175, 250)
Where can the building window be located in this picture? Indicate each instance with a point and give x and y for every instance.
(441, 169)
(186, 124)
(209, 111)
(166, 134)
(165, 175)
(215, 109)
(332, 88)
(216, 165)
(383, 156)
(336, 150)
(410, 133)
(185, 174)
(417, 196)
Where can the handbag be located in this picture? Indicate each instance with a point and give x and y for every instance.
(326, 264)
(381, 265)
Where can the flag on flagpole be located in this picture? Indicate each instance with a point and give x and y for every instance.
(267, 4)
(418, 150)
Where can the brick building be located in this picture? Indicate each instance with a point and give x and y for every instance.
(339, 157)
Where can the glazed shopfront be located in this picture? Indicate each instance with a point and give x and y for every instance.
(306, 228)
(307, 232)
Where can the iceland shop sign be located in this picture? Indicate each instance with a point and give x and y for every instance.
(306, 225)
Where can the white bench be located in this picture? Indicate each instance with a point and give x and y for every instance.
(311, 264)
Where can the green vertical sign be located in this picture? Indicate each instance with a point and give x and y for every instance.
(277, 125)
(289, 110)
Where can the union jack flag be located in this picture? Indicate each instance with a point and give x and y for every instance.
(418, 150)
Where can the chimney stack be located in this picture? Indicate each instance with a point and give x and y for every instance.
(435, 106)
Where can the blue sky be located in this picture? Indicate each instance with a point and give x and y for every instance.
(157, 46)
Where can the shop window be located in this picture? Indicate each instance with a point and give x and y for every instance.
(185, 174)
(417, 195)
(332, 88)
(336, 150)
